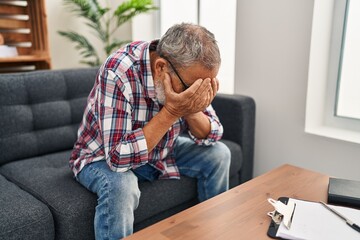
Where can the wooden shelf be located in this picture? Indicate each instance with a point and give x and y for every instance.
(24, 58)
(23, 25)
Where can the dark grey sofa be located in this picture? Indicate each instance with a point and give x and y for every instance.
(40, 115)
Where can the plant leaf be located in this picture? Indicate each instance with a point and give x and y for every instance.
(115, 44)
(89, 9)
(92, 12)
(90, 63)
(131, 8)
(100, 32)
(82, 44)
(97, 19)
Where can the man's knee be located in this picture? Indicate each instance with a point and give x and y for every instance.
(221, 154)
(123, 187)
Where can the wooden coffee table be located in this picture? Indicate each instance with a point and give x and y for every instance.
(240, 213)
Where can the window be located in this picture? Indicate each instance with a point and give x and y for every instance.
(348, 91)
(323, 115)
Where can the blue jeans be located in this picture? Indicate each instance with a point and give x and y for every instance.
(119, 194)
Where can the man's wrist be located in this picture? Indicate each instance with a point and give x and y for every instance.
(168, 115)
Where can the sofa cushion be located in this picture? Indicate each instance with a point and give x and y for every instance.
(160, 196)
(49, 178)
(236, 159)
(22, 216)
(41, 111)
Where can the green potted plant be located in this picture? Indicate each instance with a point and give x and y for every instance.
(104, 22)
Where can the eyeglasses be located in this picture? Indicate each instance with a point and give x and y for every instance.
(176, 72)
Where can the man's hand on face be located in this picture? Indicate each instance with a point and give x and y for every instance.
(195, 99)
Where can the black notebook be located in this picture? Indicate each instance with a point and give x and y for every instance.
(344, 192)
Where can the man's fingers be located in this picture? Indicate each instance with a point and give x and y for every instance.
(212, 90)
(217, 84)
(167, 84)
(192, 89)
(214, 87)
(204, 87)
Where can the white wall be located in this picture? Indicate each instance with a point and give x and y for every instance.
(272, 57)
(63, 52)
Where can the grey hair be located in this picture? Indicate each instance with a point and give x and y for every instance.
(185, 44)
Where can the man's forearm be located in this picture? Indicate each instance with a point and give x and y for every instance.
(199, 124)
(156, 128)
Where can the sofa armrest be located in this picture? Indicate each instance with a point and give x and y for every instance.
(237, 114)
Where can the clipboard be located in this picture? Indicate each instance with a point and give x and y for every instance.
(273, 227)
(311, 220)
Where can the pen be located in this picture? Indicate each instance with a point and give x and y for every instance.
(348, 222)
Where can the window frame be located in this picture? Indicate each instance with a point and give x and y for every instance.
(324, 60)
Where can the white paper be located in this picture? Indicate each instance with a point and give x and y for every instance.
(312, 221)
(6, 51)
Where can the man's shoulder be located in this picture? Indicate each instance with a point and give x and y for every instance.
(135, 47)
(126, 57)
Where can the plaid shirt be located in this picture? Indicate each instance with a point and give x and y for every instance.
(120, 104)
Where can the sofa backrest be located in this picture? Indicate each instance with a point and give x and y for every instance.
(40, 111)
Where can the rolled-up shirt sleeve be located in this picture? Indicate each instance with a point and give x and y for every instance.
(216, 131)
(124, 147)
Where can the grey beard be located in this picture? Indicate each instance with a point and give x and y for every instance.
(160, 92)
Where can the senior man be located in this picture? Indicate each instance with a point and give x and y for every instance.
(145, 95)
